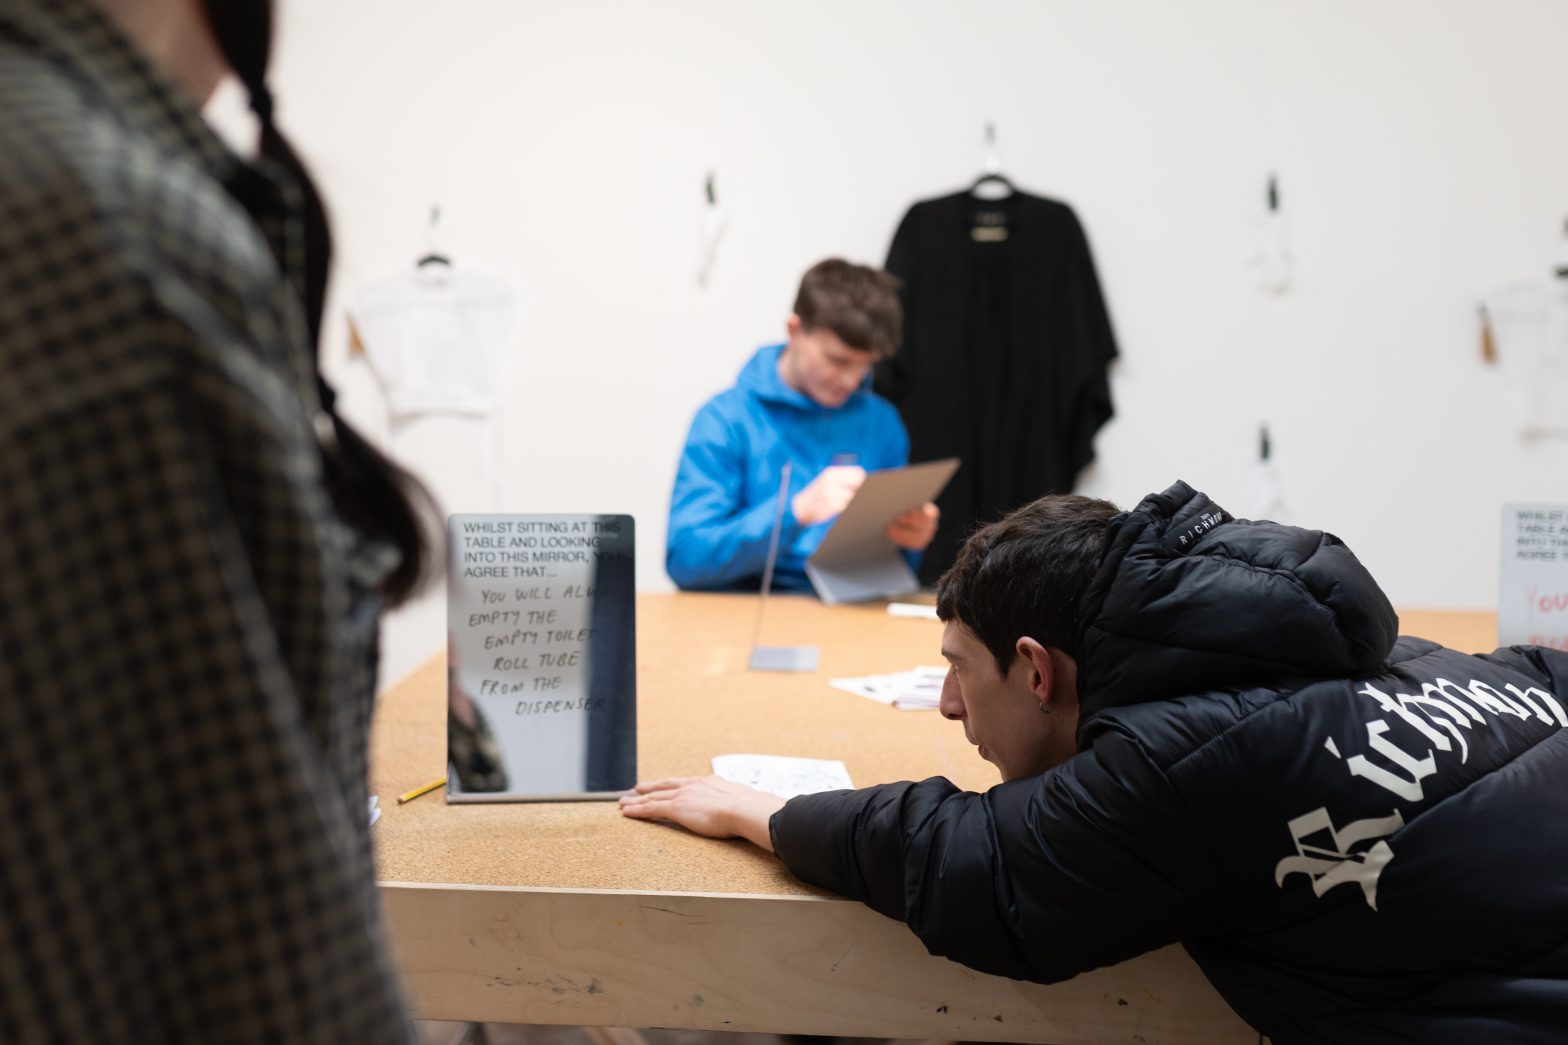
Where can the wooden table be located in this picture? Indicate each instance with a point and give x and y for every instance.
(568, 913)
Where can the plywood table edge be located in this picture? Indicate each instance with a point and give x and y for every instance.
(759, 962)
(586, 891)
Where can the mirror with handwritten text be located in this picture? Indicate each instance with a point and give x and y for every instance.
(541, 676)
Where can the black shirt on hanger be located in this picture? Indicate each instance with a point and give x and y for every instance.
(1006, 344)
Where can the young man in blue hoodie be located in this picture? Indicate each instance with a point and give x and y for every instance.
(808, 403)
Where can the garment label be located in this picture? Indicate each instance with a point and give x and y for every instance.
(1186, 539)
(990, 226)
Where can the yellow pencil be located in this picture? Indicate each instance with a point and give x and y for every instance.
(420, 791)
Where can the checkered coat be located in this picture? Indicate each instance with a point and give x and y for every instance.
(187, 627)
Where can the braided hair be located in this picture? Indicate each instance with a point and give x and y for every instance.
(371, 491)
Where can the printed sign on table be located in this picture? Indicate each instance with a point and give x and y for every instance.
(1533, 603)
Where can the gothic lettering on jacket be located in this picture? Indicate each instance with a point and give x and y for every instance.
(1329, 866)
(1441, 713)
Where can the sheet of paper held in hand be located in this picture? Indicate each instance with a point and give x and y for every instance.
(541, 638)
(783, 776)
(1532, 604)
(856, 561)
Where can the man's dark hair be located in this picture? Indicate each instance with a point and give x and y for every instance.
(858, 303)
(1025, 575)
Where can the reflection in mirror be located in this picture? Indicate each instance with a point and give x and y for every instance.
(541, 678)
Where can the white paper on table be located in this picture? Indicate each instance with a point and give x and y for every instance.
(783, 776)
(862, 688)
(914, 690)
(375, 810)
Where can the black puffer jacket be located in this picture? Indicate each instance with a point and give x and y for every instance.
(1358, 839)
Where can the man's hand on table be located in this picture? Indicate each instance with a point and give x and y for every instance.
(706, 805)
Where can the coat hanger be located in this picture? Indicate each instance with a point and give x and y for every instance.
(433, 255)
(712, 220)
(992, 184)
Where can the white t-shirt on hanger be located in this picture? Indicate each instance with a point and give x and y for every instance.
(437, 339)
(1529, 323)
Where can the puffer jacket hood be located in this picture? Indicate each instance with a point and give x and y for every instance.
(1189, 599)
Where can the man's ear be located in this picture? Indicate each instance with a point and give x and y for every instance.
(1042, 670)
(793, 326)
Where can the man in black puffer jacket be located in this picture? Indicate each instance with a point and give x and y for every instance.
(1209, 733)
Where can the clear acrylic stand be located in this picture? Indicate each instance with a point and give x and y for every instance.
(777, 658)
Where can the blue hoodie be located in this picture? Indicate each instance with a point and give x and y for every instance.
(726, 489)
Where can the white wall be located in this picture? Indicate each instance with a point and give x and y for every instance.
(1418, 144)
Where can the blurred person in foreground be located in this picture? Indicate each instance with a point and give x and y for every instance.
(196, 553)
